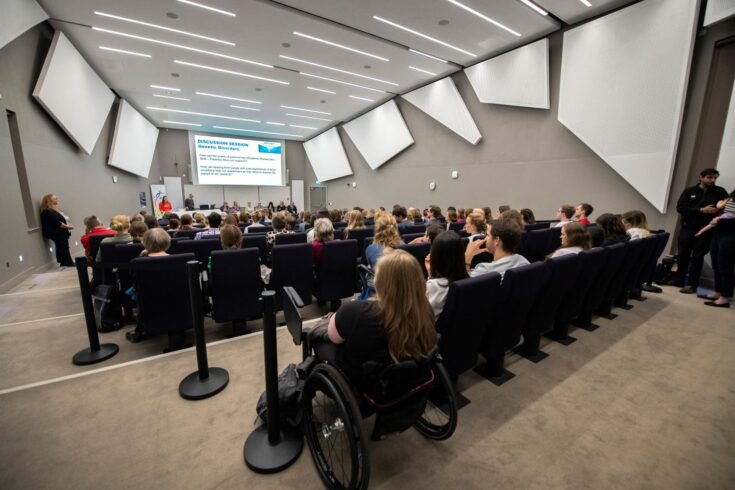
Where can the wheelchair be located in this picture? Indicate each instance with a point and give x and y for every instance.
(411, 393)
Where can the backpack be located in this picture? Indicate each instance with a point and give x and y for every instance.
(290, 389)
(663, 273)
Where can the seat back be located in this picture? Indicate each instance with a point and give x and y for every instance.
(409, 237)
(598, 287)
(200, 248)
(292, 266)
(537, 226)
(174, 247)
(235, 284)
(259, 229)
(337, 274)
(94, 244)
(523, 247)
(360, 235)
(633, 250)
(339, 234)
(648, 248)
(185, 233)
(118, 255)
(162, 286)
(286, 238)
(470, 304)
(456, 227)
(561, 277)
(538, 244)
(291, 305)
(411, 229)
(419, 251)
(591, 263)
(649, 268)
(256, 241)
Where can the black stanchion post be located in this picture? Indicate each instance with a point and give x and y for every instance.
(205, 381)
(95, 352)
(271, 448)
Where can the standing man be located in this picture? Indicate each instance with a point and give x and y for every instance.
(697, 206)
(189, 203)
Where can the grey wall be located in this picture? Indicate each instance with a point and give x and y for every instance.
(54, 164)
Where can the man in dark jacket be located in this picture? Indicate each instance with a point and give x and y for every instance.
(696, 206)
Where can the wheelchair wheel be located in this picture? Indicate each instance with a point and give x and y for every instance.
(439, 419)
(334, 430)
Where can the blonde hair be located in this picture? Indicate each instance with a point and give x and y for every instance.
(478, 221)
(354, 222)
(120, 223)
(407, 316)
(323, 230)
(386, 230)
(230, 237)
(46, 203)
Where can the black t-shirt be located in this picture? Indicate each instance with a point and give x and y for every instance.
(361, 325)
(51, 225)
(693, 199)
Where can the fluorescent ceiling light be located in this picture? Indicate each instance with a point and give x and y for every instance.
(340, 46)
(179, 122)
(156, 26)
(244, 108)
(165, 109)
(399, 26)
(207, 7)
(484, 17)
(170, 97)
(326, 67)
(586, 3)
(309, 117)
(361, 98)
(166, 88)
(207, 94)
(259, 132)
(322, 90)
(222, 70)
(422, 71)
(535, 7)
(302, 127)
(342, 82)
(427, 55)
(181, 46)
(124, 51)
(306, 110)
(275, 123)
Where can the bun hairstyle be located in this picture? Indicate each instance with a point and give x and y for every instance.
(120, 223)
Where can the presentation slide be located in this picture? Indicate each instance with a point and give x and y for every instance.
(235, 161)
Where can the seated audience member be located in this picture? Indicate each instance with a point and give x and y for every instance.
(137, 230)
(155, 243)
(476, 226)
(502, 240)
(574, 239)
(528, 216)
(414, 215)
(451, 216)
(281, 206)
(93, 228)
(305, 223)
(386, 237)
(136, 217)
(401, 216)
(487, 211)
(612, 229)
(186, 223)
(235, 208)
(279, 228)
(291, 208)
(230, 237)
(445, 264)
(501, 209)
(150, 221)
(199, 220)
(257, 216)
(243, 218)
(514, 215)
(583, 213)
(461, 216)
(225, 208)
(173, 225)
(213, 221)
(322, 213)
(335, 216)
(266, 217)
(290, 222)
(432, 231)
(564, 215)
(354, 222)
(230, 219)
(434, 215)
(636, 225)
(121, 225)
(323, 232)
(399, 324)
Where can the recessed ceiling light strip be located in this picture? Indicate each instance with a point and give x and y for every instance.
(163, 28)
(309, 117)
(181, 46)
(361, 98)
(484, 17)
(165, 109)
(322, 90)
(302, 127)
(162, 87)
(207, 94)
(259, 132)
(170, 97)
(207, 7)
(184, 123)
(417, 33)
(326, 67)
(586, 3)
(340, 46)
(125, 51)
(231, 72)
(427, 55)
(305, 110)
(535, 7)
(422, 71)
(244, 108)
(342, 82)
(272, 123)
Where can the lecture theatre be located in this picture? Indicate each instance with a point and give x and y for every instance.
(351, 244)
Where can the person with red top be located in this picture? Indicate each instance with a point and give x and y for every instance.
(165, 205)
(94, 227)
(583, 212)
(323, 232)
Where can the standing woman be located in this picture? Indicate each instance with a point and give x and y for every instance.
(722, 250)
(55, 228)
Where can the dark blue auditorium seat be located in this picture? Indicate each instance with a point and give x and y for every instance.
(419, 251)
(186, 233)
(235, 286)
(537, 226)
(256, 241)
(259, 229)
(337, 273)
(411, 229)
(200, 248)
(360, 235)
(456, 227)
(287, 238)
(292, 266)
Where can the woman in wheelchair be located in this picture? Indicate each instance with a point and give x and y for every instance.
(383, 353)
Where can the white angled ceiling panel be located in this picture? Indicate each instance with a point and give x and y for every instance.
(573, 11)
(327, 156)
(623, 84)
(442, 101)
(718, 10)
(18, 17)
(726, 159)
(134, 141)
(518, 78)
(380, 134)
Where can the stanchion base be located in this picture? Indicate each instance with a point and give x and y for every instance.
(263, 457)
(193, 388)
(89, 356)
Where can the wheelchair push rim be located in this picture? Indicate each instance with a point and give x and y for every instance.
(439, 419)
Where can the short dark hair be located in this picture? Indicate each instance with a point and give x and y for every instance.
(400, 212)
(150, 221)
(503, 208)
(587, 208)
(436, 211)
(214, 220)
(508, 231)
(528, 216)
(611, 226)
(447, 257)
(92, 222)
(433, 231)
(567, 210)
(577, 236)
(279, 221)
(709, 171)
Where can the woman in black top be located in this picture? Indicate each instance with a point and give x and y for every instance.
(55, 228)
